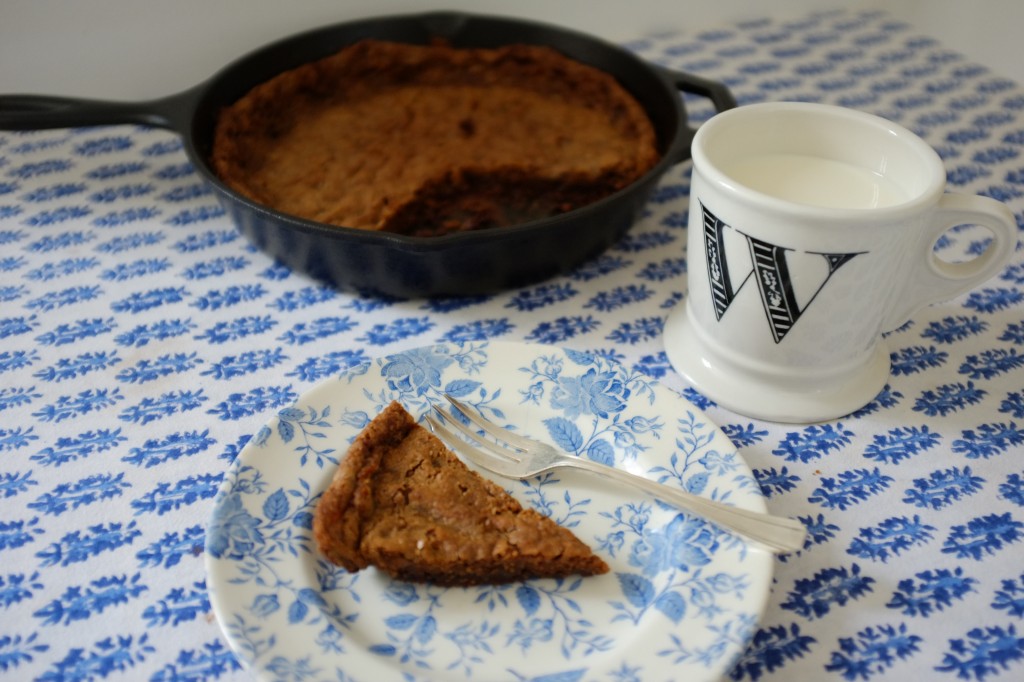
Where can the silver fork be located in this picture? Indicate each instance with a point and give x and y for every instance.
(524, 458)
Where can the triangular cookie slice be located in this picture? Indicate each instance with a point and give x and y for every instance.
(403, 502)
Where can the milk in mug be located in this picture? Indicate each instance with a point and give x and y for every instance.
(815, 181)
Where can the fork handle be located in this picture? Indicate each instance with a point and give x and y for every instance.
(778, 534)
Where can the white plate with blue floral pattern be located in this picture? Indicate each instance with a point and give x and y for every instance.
(680, 602)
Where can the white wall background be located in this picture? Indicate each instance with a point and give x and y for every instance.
(138, 49)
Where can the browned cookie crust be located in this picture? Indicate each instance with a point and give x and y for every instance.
(403, 502)
(433, 139)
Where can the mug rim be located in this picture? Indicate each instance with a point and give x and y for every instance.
(935, 182)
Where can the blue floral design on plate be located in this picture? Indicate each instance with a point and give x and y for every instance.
(682, 599)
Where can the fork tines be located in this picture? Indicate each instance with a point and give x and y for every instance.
(466, 431)
(513, 440)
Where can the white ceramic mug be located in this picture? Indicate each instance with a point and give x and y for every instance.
(812, 232)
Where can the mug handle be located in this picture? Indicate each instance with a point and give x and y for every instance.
(936, 280)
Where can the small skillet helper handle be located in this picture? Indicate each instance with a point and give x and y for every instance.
(713, 90)
(717, 92)
(40, 112)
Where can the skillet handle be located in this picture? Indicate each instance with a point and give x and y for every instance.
(713, 90)
(717, 92)
(38, 112)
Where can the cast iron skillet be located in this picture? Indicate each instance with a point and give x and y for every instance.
(391, 264)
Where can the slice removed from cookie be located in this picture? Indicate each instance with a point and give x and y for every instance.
(403, 502)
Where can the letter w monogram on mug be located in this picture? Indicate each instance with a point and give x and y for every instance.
(731, 262)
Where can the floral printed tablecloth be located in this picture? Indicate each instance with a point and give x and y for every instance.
(143, 343)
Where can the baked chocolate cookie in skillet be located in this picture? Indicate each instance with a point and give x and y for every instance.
(433, 139)
(404, 503)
